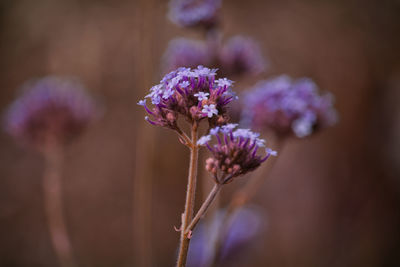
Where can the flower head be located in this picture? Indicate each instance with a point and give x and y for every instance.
(190, 13)
(235, 153)
(185, 52)
(286, 106)
(50, 108)
(242, 55)
(191, 93)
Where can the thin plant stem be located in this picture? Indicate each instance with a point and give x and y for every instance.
(53, 200)
(207, 185)
(204, 207)
(190, 198)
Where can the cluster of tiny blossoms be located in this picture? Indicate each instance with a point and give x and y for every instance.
(288, 106)
(193, 93)
(50, 107)
(235, 152)
(191, 13)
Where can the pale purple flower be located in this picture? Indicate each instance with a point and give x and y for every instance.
(191, 93)
(183, 52)
(288, 106)
(202, 96)
(191, 13)
(242, 55)
(203, 140)
(224, 82)
(210, 110)
(142, 102)
(214, 131)
(227, 128)
(271, 152)
(184, 84)
(235, 152)
(50, 108)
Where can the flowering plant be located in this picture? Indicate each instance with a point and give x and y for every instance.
(50, 112)
(196, 96)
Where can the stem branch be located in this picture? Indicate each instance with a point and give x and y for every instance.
(204, 207)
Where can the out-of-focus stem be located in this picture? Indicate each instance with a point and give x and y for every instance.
(204, 207)
(242, 196)
(190, 197)
(246, 193)
(53, 200)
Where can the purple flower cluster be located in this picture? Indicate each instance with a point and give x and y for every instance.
(193, 93)
(242, 55)
(186, 52)
(235, 153)
(50, 107)
(288, 106)
(239, 56)
(191, 13)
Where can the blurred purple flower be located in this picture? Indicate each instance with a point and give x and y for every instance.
(242, 55)
(286, 106)
(50, 108)
(237, 236)
(178, 94)
(190, 13)
(183, 52)
(235, 153)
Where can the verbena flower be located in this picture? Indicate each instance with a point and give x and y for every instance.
(190, 13)
(185, 52)
(50, 108)
(288, 106)
(242, 55)
(235, 152)
(240, 232)
(194, 94)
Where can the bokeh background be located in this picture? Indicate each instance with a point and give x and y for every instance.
(331, 200)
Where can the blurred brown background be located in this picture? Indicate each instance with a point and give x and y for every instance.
(331, 200)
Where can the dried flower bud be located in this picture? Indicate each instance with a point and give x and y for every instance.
(50, 108)
(192, 93)
(285, 107)
(235, 153)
